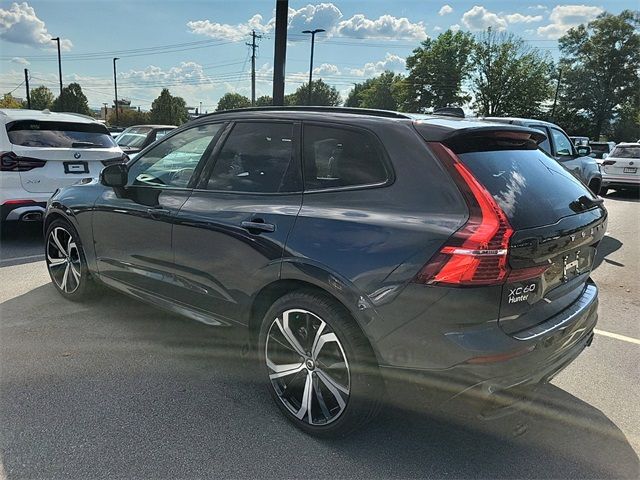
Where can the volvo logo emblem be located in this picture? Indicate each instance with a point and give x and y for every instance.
(77, 155)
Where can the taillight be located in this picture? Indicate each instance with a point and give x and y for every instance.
(10, 162)
(608, 162)
(477, 253)
(124, 158)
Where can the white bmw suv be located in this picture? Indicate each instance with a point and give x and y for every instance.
(41, 151)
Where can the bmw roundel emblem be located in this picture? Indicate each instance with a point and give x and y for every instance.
(77, 155)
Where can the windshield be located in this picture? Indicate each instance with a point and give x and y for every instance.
(34, 133)
(626, 152)
(598, 149)
(133, 136)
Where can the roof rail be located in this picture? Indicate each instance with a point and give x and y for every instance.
(81, 115)
(449, 112)
(303, 108)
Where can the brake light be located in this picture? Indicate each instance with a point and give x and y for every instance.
(477, 253)
(10, 162)
(124, 158)
(18, 202)
(608, 162)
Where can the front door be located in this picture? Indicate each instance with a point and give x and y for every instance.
(132, 226)
(230, 234)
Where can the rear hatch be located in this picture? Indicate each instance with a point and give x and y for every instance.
(51, 155)
(556, 222)
(623, 162)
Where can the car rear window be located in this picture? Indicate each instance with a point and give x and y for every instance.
(626, 152)
(133, 137)
(32, 133)
(532, 188)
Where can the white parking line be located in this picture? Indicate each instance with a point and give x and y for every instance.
(19, 259)
(617, 336)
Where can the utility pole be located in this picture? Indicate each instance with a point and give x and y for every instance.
(555, 99)
(253, 46)
(280, 51)
(105, 110)
(115, 87)
(313, 40)
(26, 82)
(57, 39)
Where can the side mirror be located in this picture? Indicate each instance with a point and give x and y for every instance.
(115, 175)
(583, 150)
(604, 156)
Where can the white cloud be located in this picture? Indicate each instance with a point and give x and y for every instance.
(326, 69)
(437, 29)
(445, 10)
(323, 15)
(20, 61)
(454, 28)
(564, 17)
(386, 26)
(224, 31)
(519, 18)
(479, 18)
(390, 62)
(20, 24)
(537, 7)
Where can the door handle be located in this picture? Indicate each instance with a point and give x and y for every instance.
(258, 225)
(158, 212)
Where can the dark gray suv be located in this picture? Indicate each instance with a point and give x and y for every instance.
(353, 246)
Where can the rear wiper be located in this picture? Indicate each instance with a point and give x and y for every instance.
(585, 203)
(85, 145)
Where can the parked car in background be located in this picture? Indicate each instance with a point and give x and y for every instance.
(558, 145)
(115, 131)
(601, 150)
(580, 141)
(134, 139)
(352, 245)
(620, 168)
(41, 151)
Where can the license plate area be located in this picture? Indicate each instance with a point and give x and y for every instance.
(630, 170)
(76, 167)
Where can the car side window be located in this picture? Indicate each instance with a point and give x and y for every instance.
(257, 157)
(161, 133)
(564, 148)
(340, 157)
(172, 163)
(546, 145)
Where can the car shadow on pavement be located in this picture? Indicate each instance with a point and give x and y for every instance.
(630, 195)
(21, 243)
(606, 247)
(115, 388)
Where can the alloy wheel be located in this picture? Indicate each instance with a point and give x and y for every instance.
(63, 260)
(307, 366)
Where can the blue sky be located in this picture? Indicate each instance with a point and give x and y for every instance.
(197, 48)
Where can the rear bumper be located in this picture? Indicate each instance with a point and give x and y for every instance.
(22, 211)
(620, 180)
(499, 380)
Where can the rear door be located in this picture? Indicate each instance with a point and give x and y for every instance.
(71, 151)
(229, 236)
(557, 225)
(623, 163)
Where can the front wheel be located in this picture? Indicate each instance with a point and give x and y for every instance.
(66, 262)
(320, 368)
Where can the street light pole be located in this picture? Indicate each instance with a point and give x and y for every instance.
(313, 40)
(115, 87)
(57, 39)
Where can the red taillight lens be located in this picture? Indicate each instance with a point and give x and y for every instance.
(477, 253)
(10, 162)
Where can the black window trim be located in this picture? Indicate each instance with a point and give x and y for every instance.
(201, 163)
(213, 158)
(386, 162)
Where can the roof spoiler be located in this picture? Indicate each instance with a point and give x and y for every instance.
(449, 112)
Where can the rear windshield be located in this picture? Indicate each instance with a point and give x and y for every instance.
(32, 133)
(626, 152)
(133, 137)
(532, 188)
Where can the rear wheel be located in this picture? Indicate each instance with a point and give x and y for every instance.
(66, 262)
(319, 366)
(603, 191)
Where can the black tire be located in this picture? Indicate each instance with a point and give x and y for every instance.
(77, 288)
(362, 378)
(603, 191)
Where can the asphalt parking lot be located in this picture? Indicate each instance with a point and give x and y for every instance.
(118, 389)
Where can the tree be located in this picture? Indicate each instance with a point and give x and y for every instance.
(264, 101)
(380, 92)
(129, 117)
(437, 70)
(71, 99)
(9, 101)
(509, 77)
(41, 98)
(600, 62)
(229, 101)
(168, 110)
(627, 126)
(322, 95)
